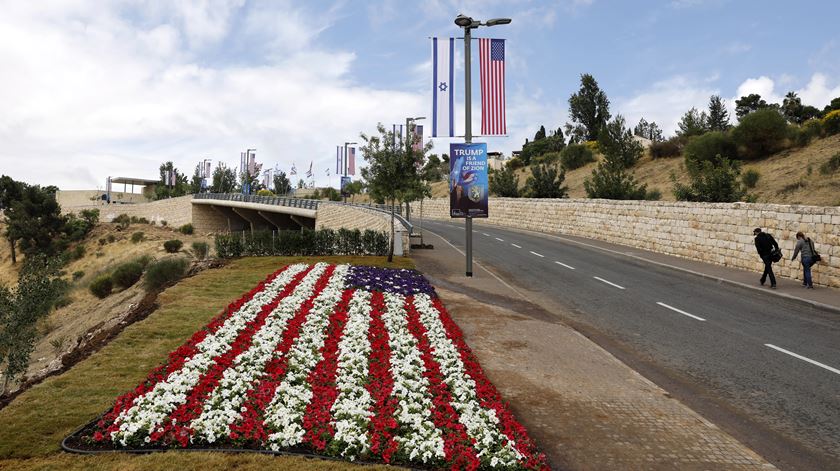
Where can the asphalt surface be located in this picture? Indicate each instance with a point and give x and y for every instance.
(764, 368)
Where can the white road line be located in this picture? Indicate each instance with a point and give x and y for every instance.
(813, 362)
(563, 264)
(517, 246)
(488, 235)
(608, 282)
(681, 311)
(537, 254)
(500, 240)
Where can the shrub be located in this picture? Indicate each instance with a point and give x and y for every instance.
(122, 221)
(831, 166)
(63, 301)
(515, 163)
(809, 131)
(142, 221)
(137, 237)
(173, 245)
(265, 192)
(143, 260)
(163, 222)
(103, 241)
(200, 250)
(653, 195)
(91, 216)
(127, 274)
(831, 123)
(576, 156)
(712, 182)
(302, 243)
(670, 148)
(546, 182)
(593, 146)
(78, 275)
(102, 286)
(111, 238)
(186, 229)
(750, 178)
(760, 134)
(707, 147)
(165, 271)
(78, 252)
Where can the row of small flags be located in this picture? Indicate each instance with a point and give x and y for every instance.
(491, 54)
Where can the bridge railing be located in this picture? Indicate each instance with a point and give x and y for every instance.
(272, 200)
(304, 203)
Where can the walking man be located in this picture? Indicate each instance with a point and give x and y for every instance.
(765, 244)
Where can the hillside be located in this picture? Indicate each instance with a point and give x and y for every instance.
(66, 326)
(788, 177)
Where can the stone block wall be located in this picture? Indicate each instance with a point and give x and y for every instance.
(335, 216)
(175, 211)
(719, 233)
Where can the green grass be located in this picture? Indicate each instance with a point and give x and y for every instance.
(34, 424)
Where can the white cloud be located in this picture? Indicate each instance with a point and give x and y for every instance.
(665, 102)
(93, 90)
(819, 91)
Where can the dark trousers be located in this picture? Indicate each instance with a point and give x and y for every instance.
(768, 270)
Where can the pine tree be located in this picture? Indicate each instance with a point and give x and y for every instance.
(503, 183)
(589, 110)
(611, 179)
(718, 115)
(546, 182)
(540, 134)
(693, 123)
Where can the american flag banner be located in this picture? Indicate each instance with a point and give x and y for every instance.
(309, 172)
(492, 62)
(293, 171)
(417, 145)
(351, 161)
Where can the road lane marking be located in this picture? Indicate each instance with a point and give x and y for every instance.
(538, 255)
(517, 246)
(608, 282)
(681, 311)
(813, 362)
(500, 240)
(563, 264)
(488, 235)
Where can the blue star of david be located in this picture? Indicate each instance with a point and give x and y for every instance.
(442, 86)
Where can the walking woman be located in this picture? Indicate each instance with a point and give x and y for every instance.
(806, 247)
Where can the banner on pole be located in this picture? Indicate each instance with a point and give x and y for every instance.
(443, 87)
(344, 182)
(351, 161)
(417, 145)
(468, 184)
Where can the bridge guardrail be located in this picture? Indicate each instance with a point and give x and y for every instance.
(303, 203)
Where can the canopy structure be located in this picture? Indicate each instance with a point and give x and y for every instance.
(147, 184)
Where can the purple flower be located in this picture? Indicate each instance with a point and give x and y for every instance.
(390, 280)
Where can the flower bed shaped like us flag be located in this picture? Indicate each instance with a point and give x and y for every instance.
(353, 362)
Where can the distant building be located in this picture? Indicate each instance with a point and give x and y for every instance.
(496, 160)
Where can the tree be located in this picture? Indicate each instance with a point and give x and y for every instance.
(761, 133)
(391, 172)
(540, 134)
(301, 184)
(611, 179)
(712, 182)
(282, 185)
(433, 170)
(650, 131)
(693, 123)
(165, 188)
(503, 183)
(792, 108)
(20, 308)
(589, 110)
(747, 104)
(546, 182)
(353, 189)
(834, 105)
(35, 221)
(195, 183)
(10, 191)
(718, 115)
(224, 179)
(616, 141)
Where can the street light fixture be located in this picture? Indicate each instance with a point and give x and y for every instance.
(469, 24)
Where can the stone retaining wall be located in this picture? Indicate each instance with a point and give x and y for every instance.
(719, 233)
(335, 216)
(175, 211)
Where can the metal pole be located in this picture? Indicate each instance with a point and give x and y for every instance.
(344, 161)
(468, 130)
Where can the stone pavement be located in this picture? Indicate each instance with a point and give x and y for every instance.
(585, 408)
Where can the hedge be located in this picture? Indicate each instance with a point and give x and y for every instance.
(302, 243)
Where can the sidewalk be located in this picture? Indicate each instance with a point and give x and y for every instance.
(585, 408)
(823, 297)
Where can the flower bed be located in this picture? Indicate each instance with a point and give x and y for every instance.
(353, 362)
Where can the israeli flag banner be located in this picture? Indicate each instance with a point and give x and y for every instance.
(443, 87)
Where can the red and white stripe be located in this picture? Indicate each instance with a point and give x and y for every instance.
(492, 74)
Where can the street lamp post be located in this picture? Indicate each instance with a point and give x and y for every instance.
(470, 24)
(346, 159)
(408, 144)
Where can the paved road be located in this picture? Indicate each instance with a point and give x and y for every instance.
(765, 368)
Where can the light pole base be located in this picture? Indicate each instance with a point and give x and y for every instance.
(469, 274)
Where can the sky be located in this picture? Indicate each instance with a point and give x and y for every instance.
(92, 89)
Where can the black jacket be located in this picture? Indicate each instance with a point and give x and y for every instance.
(765, 243)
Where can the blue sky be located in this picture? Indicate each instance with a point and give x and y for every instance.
(115, 88)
